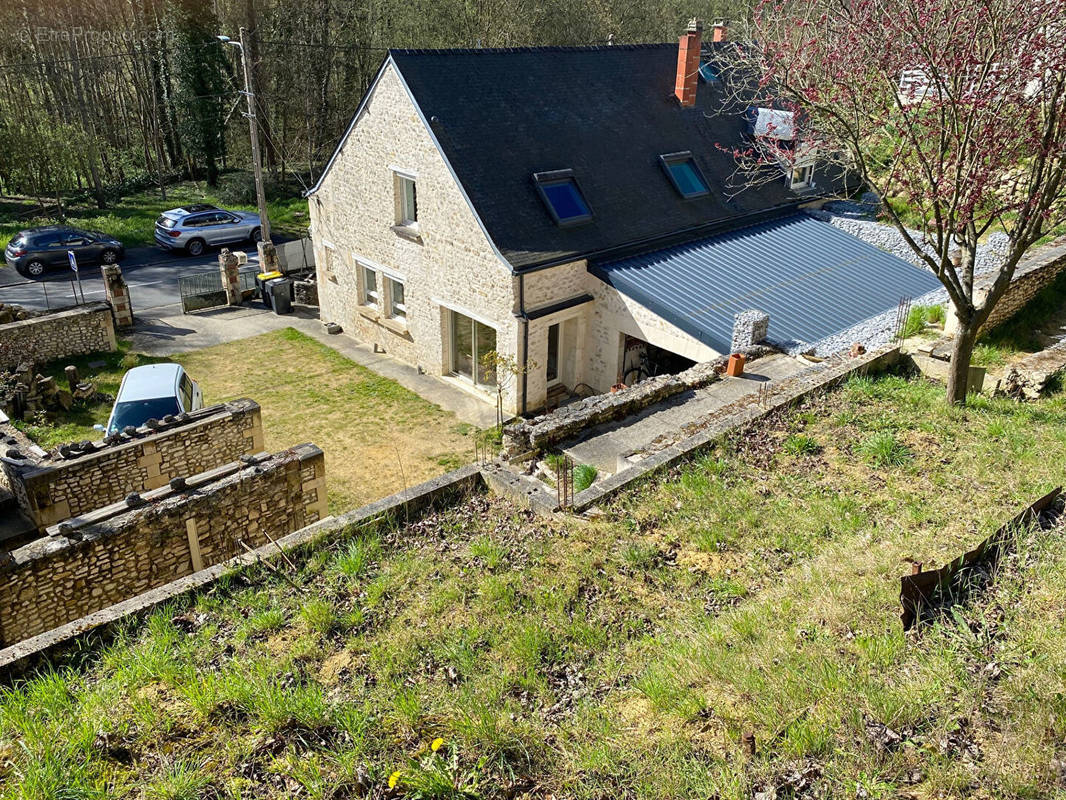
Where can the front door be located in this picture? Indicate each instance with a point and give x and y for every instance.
(471, 342)
(562, 344)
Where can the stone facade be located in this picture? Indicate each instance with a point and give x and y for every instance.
(66, 485)
(75, 331)
(448, 263)
(117, 552)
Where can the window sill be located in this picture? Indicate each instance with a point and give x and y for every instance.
(409, 232)
(394, 325)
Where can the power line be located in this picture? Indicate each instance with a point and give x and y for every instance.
(77, 59)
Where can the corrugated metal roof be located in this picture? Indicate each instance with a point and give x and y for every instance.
(813, 280)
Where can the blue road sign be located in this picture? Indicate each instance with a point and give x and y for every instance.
(73, 261)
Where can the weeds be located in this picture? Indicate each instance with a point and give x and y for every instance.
(624, 656)
(800, 444)
(584, 476)
(884, 451)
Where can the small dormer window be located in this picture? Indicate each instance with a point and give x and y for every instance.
(802, 177)
(562, 197)
(683, 173)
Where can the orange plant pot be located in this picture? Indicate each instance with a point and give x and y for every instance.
(736, 365)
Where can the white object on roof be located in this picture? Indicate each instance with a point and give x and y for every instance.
(773, 123)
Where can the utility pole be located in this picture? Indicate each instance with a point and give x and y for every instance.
(253, 128)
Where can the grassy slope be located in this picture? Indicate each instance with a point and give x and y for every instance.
(132, 219)
(378, 436)
(751, 590)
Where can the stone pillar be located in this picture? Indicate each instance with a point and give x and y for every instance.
(229, 266)
(749, 328)
(118, 295)
(268, 257)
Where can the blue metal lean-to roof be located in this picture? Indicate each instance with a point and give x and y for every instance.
(813, 280)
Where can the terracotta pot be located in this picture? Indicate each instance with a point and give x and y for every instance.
(736, 365)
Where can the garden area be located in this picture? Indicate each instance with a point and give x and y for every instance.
(378, 436)
(729, 629)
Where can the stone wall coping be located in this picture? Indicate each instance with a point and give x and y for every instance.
(413, 500)
(191, 420)
(547, 429)
(90, 527)
(89, 308)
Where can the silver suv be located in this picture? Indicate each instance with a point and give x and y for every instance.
(195, 227)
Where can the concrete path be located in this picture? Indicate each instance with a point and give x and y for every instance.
(165, 330)
(605, 445)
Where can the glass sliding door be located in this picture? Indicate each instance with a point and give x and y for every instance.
(471, 340)
(462, 346)
(484, 342)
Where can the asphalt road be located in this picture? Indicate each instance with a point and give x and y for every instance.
(151, 273)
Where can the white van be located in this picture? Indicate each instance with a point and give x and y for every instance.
(153, 392)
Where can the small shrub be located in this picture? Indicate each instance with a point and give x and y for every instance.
(584, 475)
(800, 444)
(884, 451)
(919, 316)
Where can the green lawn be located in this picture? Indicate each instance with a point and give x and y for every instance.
(132, 219)
(754, 590)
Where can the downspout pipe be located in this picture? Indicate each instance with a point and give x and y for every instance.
(525, 336)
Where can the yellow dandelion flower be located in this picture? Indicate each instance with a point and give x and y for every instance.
(394, 779)
(438, 743)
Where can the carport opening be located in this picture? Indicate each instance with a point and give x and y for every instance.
(642, 360)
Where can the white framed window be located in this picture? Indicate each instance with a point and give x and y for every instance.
(406, 199)
(368, 276)
(397, 304)
(802, 177)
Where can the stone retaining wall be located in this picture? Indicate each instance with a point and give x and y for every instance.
(56, 488)
(1035, 272)
(117, 552)
(75, 331)
(403, 507)
(780, 394)
(544, 431)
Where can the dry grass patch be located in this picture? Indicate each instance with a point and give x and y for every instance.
(378, 436)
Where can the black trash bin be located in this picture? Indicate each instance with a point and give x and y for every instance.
(261, 281)
(280, 292)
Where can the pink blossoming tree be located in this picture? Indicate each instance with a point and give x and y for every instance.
(955, 109)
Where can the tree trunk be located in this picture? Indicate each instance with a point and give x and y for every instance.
(959, 368)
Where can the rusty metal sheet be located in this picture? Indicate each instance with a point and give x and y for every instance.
(919, 589)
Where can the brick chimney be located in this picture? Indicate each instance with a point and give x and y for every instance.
(688, 64)
(720, 31)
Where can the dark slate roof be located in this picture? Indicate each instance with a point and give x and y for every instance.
(813, 280)
(607, 113)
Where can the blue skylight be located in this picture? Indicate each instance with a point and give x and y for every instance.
(563, 198)
(709, 72)
(685, 175)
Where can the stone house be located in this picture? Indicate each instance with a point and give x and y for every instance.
(574, 210)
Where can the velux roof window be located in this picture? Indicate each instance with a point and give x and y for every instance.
(562, 197)
(683, 173)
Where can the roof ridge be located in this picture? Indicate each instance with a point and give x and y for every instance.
(421, 51)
